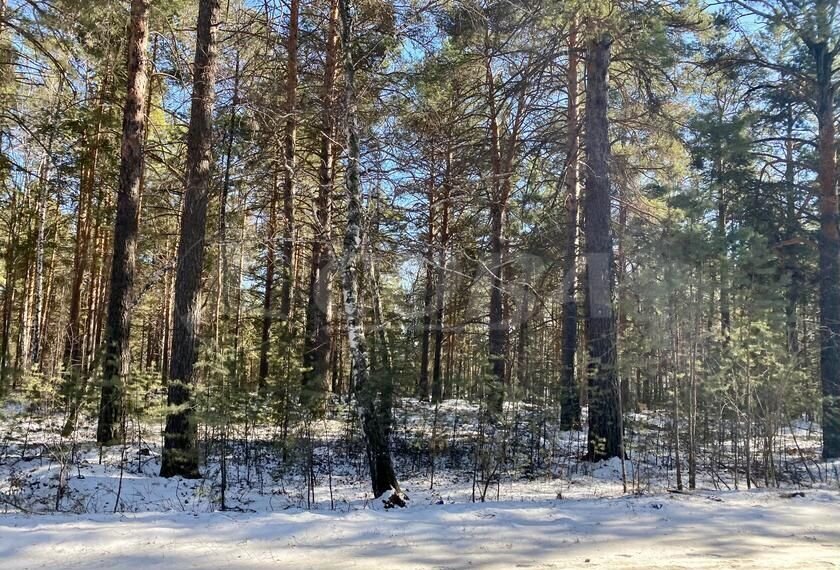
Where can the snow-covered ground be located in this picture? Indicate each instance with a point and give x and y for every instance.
(759, 529)
(303, 501)
(322, 466)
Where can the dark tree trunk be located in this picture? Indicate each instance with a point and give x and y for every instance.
(74, 341)
(723, 213)
(10, 250)
(166, 316)
(383, 346)
(428, 295)
(289, 148)
(319, 337)
(792, 263)
(604, 414)
(97, 267)
(221, 314)
(115, 362)
(498, 334)
(10, 262)
(75, 383)
(39, 300)
(498, 326)
(180, 453)
(523, 342)
(502, 155)
(569, 396)
(287, 249)
(36, 342)
(829, 247)
(268, 291)
(374, 402)
(440, 281)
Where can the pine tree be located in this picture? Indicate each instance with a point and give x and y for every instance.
(180, 453)
(115, 364)
(605, 432)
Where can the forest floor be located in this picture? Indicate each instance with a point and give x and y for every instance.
(299, 498)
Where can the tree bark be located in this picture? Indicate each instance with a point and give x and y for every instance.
(374, 403)
(44, 176)
(6, 74)
(96, 270)
(268, 290)
(34, 356)
(222, 305)
(440, 280)
(569, 398)
(10, 262)
(498, 326)
(792, 263)
(604, 414)
(73, 345)
(829, 252)
(428, 294)
(180, 453)
(166, 316)
(723, 214)
(319, 336)
(115, 364)
(289, 149)
(75, 382)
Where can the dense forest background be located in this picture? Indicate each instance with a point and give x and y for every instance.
(223, 215)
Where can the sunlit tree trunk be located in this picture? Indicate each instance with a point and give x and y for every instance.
(115, 363)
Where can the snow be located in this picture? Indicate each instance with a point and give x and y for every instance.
(41, 472)
(759, 529)
(66, 503)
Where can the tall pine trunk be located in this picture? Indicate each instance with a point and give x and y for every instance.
(222, 304)
(10, 263)
(75, 382)
(569, 395)
(319, 336)
(45, 173)
(115, 363)
(268, 288)
(792, 263)
(604, 413)
(428, 294)
(289, 149)
(180, 453)
(10, 252)
(440, 280)
(722, 216)
(73, 344)
(829, 250)
(498, 326)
